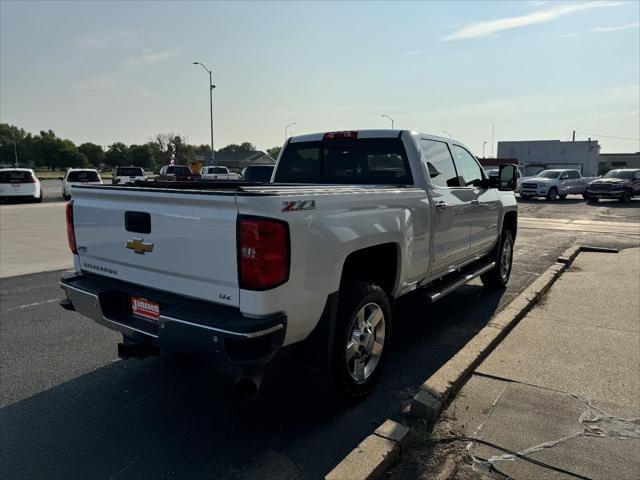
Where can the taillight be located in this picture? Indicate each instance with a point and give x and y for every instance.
(263, 253)
(71, 234)
(30, 180)
(340, 136)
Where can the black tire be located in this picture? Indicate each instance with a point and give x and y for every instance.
(593, 200)
(66, 197)
(39, 199)
(552, 194)
(526, 197)
(563, 196)
(356, 297)
(498, 277)
(626, 197)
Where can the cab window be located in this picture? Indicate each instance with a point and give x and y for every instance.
(439, 163)
(467, 166)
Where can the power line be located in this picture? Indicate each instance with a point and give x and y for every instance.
(609, 136)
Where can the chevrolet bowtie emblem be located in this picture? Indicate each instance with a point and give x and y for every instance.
(139, 246)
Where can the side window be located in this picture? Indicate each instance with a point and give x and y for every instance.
(573, 174)
(467, 166)
(439, 163)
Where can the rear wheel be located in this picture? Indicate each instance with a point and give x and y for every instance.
(593, 199)
(552, 194)
(499, 275)
(362, 337)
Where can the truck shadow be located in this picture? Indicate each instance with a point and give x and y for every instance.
(151, 419)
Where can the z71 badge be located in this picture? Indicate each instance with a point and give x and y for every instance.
(298, 205)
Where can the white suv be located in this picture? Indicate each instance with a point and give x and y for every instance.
(19, 183)
(127, 175)
(79, 176)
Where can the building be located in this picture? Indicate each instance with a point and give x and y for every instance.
(238, 160)
(534, 156)
(610, 161)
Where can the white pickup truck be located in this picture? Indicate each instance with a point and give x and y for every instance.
(552, 184)
(217, 173)
(312, 261)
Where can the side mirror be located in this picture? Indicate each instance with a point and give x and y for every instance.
(507, 178)
(60, 178)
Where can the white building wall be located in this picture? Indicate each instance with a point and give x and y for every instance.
(536, 155)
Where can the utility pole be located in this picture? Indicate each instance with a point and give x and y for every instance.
(493, 131)
(387, 116)
(211, 87)
(15, 152)
(574, 135)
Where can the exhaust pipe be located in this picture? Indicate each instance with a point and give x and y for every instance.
(247, 385)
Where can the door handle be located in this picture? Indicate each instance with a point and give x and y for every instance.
(475, 202)
(441, 205)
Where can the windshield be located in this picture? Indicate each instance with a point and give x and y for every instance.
(549, 174)
(258, 174)
(624, 174)
(83, 176)
(129, 172)
(176, 170)
(369, 161)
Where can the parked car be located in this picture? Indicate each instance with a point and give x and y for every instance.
(615, 184)
(553, 184)
(492, 172)
(257, 173)
(127, 175)
(179, 173)
(20, 183)
(79, 176)
(218, 173)
(311, 263)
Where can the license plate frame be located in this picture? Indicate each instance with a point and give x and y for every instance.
(145, 308)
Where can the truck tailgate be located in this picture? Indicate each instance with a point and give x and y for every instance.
(187, 248)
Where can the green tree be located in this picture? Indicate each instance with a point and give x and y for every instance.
(142, 156)
(71, 158)
(118, 155)
(93, 152)
(14, 142)
(243, 147)
(273, 152)
(45, 149)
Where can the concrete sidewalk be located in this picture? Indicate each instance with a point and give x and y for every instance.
(563, 388)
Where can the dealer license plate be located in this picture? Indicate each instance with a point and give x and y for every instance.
(145, 308)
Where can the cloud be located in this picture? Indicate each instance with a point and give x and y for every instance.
(150, 57)
(114, 38)
(491, 27)
(615, 29)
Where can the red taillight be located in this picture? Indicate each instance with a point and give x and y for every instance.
(340, 136)
(263, 253)
(71, 234)
(29, 180)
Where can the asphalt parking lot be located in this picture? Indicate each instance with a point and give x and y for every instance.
(72, 409)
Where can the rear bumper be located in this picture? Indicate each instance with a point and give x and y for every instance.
(187, 325)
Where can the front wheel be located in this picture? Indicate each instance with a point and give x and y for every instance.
(552, 194)
(499, 275)
(626, 197)
(362, 337)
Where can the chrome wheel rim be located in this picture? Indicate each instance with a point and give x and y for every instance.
(505, 259)
(365, 342)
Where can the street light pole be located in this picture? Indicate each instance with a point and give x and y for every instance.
(287, 128)
(444, 131)
(211, 87)
(387, 116)
(483, 144)
(15, 152)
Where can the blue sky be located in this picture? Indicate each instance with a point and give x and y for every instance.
(123, 71)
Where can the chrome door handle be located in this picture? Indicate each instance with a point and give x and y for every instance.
(475, 202)
(441, 205)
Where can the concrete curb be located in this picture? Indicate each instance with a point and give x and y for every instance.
(375, 455)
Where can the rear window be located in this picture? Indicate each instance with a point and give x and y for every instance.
(83, 176)
(258, 174)
(15, 176)
(368, 161)
(129, 172)
(218, 170)
(174, 170)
